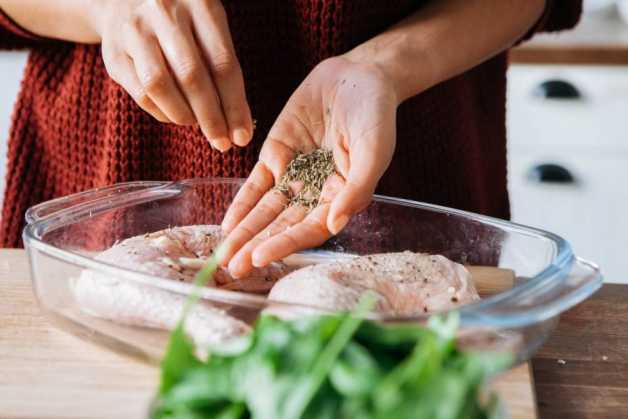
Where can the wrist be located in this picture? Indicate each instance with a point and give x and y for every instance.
(66, 20)
(408, 69)
(95, 13)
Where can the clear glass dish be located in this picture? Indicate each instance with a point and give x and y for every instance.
(526, 277)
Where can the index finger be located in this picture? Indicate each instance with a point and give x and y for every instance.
(214, 36)
(310, 232)
(257, 184)
(181, 51)
(274, 157)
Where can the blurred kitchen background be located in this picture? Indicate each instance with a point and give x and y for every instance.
(567, 133)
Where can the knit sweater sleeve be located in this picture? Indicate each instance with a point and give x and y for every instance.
(558, 15)
(14, 36)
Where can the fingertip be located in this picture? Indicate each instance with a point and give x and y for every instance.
(235, 270)
(259, 258)
(163, 120)
(336, 224)
(241, 137)
(348, 202)
(225, 255)
(240, 264)
(221, 144)
(337, 208)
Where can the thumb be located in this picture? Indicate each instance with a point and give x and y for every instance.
(366, 168)
(351, 199)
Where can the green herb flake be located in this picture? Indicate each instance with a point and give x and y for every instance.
(311, 170)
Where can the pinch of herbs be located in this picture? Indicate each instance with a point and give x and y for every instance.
(311, 170)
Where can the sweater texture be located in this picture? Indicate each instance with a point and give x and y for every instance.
(75, 129)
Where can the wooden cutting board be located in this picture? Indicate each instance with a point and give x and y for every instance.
(46, 373)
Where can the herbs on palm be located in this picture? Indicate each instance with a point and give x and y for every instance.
(311, 170)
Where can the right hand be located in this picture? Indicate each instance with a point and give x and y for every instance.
(177, 60)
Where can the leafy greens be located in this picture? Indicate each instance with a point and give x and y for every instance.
(327, 367)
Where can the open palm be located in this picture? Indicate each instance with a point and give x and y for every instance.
(341, 106)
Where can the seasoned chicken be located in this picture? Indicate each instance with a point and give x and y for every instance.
(405, 283)
(178, 254)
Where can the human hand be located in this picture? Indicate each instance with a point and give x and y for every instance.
(177, 60)
(344, 106)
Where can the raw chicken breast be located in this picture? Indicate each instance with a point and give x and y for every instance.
(178, 254)
(405, 283)
(134, 304)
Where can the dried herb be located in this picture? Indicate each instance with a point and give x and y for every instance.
(311, 170)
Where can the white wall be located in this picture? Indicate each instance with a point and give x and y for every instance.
(11, 67)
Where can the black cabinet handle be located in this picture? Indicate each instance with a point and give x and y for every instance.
(550, 173)
(557, 89)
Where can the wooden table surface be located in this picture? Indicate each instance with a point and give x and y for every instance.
(582, 372)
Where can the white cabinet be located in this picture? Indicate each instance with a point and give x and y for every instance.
(588, 138)
(598, 120)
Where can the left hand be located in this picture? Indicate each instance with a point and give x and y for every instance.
(344, 106)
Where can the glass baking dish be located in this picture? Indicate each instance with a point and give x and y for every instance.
(526, 277)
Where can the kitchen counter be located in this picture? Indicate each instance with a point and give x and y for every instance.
(582, 371)
(595, 40)
(46, 373)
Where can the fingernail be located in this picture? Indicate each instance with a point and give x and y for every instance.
(340, 223)
(234, 270)
(258, 260)
(221, 144)
(241, 137)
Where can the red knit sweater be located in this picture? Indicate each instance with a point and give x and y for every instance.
(75, 129)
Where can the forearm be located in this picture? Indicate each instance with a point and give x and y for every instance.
(446, 38)
(67, 20)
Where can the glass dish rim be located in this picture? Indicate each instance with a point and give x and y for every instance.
(555, 270)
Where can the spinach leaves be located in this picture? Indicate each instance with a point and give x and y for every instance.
(328, 367)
